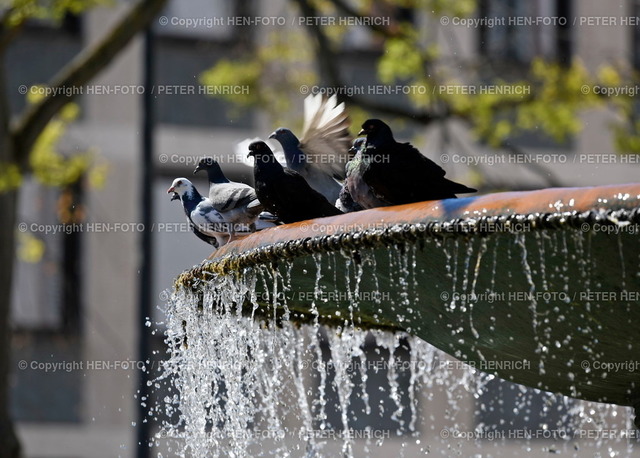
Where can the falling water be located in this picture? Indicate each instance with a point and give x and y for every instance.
(249, 373)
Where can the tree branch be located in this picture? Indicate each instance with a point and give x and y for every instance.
(7, 34)
(328, 59)
(78, 73)
(326, 56)
(349, 11)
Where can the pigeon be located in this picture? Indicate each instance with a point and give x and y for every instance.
(237, 202)
(392, 173)
(208, 224)
(354, 184)
(285, 192)
(321, 155)
(345, 202)
(267, 220)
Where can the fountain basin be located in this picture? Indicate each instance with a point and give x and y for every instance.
(539, 288)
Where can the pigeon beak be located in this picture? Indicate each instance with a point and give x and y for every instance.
(362, 132)
(197, 169)
(175, 195)
(273, 135)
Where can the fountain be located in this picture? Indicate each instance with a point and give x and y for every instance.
(538, 288)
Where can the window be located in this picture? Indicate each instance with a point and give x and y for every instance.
(179, 63)
(46, 305)
(197, 34)
(517, 39)
(197, 19)
(509, 47)
(62, 44)
(47, 279)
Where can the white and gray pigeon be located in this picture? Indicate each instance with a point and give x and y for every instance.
(208, 224)
(237, 202)
(322, 152)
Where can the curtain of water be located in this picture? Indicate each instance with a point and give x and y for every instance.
(240, 385)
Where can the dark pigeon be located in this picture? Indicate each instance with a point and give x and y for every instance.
(237, 202)
(396, 173)
(284, 192)
(355, 185)
(345, 202)
(206, 222)
(321, 155)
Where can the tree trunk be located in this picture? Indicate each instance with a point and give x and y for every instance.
(9, 445)
(15, 145)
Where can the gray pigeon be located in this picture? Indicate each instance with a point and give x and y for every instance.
(207, 223)
(237, 202)
(321, 154)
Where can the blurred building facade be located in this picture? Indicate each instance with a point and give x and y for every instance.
(90, 410)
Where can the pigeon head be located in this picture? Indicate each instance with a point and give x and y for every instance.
(260, 149)
(375, 129)
(180, 187)
(291, 147)
(206, 163)
(357, 145)
(214, 172)
(284, 135)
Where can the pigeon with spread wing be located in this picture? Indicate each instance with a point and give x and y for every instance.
(322, 152)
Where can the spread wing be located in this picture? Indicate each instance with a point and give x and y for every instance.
(325, 136)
